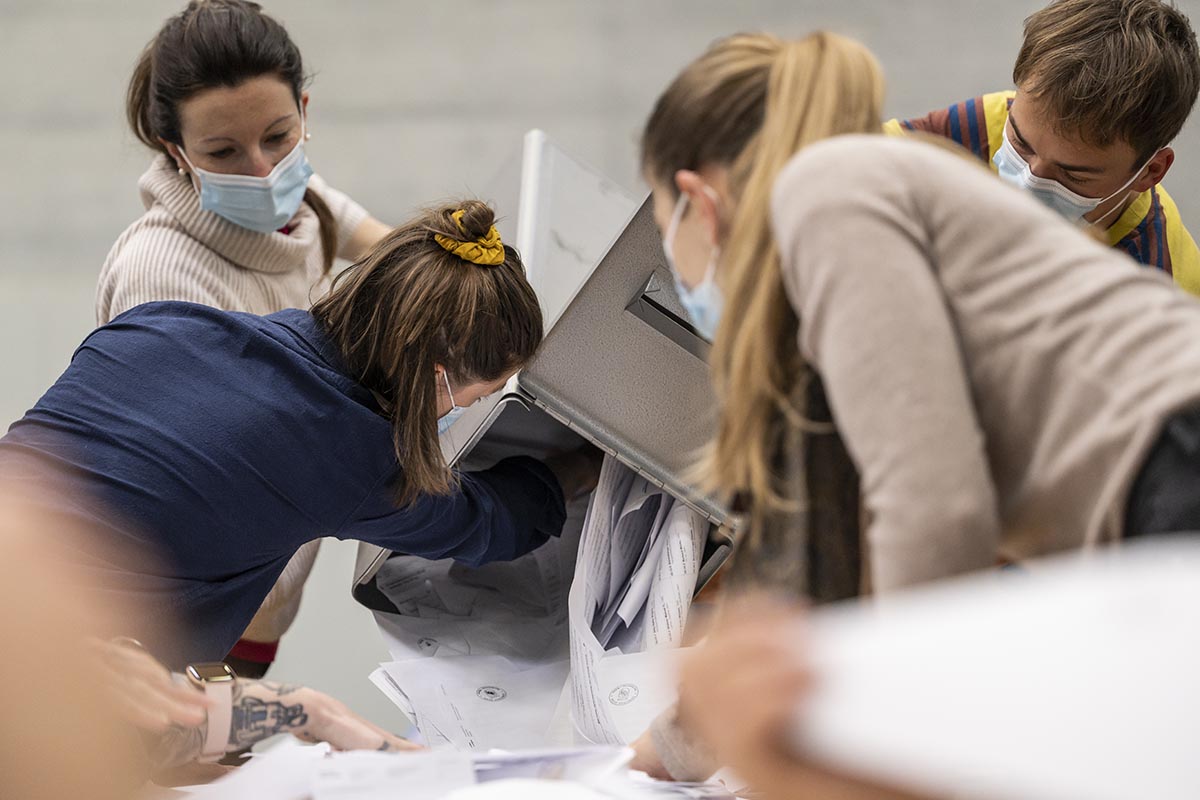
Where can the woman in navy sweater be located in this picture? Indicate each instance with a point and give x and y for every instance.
(207, 446)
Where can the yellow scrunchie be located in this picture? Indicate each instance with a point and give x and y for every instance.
(487, 251)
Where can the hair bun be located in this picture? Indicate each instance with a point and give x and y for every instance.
(477, 219)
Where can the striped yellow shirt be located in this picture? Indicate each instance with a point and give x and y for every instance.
(1150, 230)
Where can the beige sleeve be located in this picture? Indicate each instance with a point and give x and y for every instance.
(347, 213)
(875, 325)
(279, 610)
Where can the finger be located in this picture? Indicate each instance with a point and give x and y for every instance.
(348, 731)
(149, 717)
(187, 711)
(155, 706)
(393, 743)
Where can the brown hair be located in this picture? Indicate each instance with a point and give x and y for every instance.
(411, 305)
(1112, 70)
(750, 103)
(214, 43)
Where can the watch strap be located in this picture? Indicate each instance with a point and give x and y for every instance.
(220, 719)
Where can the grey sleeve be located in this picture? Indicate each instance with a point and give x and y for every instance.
(875, 324)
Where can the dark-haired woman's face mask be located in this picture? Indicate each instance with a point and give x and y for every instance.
(467, 395)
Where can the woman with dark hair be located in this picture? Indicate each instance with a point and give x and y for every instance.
(234, 216)
(215, 444)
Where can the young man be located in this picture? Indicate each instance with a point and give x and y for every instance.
(1103, 88)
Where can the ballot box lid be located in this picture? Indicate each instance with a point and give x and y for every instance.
(624, 368)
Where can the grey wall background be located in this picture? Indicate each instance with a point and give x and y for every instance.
(411, 102)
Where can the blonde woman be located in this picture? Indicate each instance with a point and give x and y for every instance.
(883, 338)
(234, 216)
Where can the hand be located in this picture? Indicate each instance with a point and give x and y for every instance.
(740, 690)
(265, 708)
(147, 694)
(578, 471)
(646, 758)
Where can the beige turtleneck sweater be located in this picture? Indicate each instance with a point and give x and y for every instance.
(176, 251)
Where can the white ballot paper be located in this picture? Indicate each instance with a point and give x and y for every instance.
(1077, 678)
(284, 772)
(464, 629)
(382, 776)
(639, 556)
(504, 657)
(479, 703)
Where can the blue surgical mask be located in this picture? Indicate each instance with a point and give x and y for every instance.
(704, 301)
(456, 411)
(259, 204)
(1016, 170)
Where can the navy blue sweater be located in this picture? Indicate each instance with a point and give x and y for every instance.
(204, 447)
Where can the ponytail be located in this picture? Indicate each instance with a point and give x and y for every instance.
(327, 228)
(411, 305)
(788, 95)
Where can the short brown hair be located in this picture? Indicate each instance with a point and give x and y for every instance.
(1112, 70)
(409, 306)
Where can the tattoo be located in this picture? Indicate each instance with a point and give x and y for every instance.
(383, 748)
(255, 720)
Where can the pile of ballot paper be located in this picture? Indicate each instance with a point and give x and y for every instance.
(639, 557)
(506, 656)
(291, 771)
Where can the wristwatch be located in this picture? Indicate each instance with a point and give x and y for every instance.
(216, 680)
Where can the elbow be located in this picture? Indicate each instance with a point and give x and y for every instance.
(946, 535)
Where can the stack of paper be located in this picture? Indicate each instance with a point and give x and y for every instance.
(291, 771)
(500, 657)
(638, 560)
(462, 630)
(476, 702)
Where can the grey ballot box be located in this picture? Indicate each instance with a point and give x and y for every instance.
(621, 368)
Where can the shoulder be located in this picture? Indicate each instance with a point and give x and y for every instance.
(170, 314)
(1152, 232)
(156, 239)
(1182, 254)
(156, 259)
(348, 214)
(845, 171)
(973, 123)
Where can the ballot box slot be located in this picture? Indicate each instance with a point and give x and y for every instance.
(650, 306)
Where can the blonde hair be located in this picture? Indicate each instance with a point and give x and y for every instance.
(750, 103)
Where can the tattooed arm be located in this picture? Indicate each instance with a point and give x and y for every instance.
(262, 709)
(173, 719)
